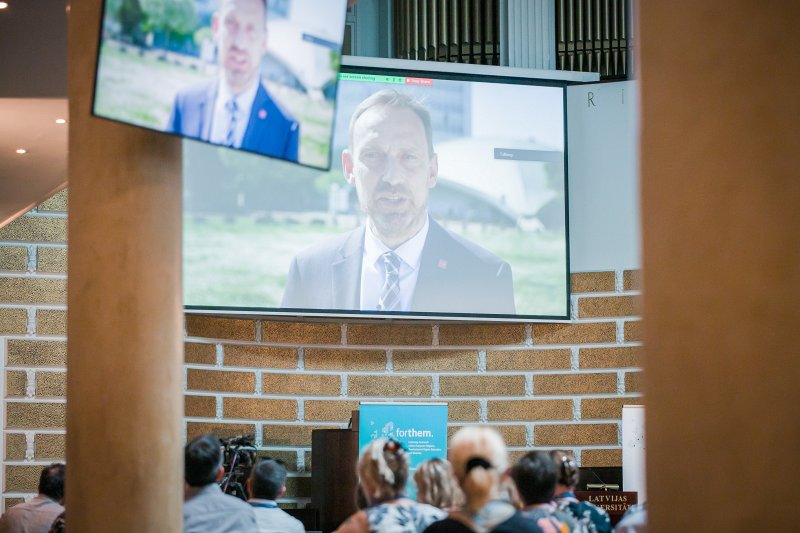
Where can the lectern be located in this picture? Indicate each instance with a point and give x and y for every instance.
(333, 475)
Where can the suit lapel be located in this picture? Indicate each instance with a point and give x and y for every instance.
(433, 265)
(255, 125)
(346, 281)
(207, 111)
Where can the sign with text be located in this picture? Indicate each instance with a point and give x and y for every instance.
(420, 427)
(615, 502)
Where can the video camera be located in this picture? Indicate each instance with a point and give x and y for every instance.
(239, 456)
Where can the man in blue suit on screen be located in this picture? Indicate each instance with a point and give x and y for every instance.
(236, 110)
(400, 259)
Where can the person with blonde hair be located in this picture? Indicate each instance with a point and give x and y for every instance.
(479, 459)
(435, 483)
(382, 474)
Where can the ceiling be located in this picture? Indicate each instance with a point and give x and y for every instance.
(27, 179)
(33, 90)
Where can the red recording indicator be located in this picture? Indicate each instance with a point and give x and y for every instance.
(419, 81)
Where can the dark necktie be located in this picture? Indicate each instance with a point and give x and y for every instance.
(390, 293)
(232, 108)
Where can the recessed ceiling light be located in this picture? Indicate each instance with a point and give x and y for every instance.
(22, 151)
(3, 5)
(61, 121)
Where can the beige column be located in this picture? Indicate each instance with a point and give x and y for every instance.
(720, 151)
(124, 365)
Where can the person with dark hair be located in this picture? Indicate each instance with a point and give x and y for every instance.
(535, 478)
(38, 514)
(382, 475)
(400, 259)
(479, 458)
(594, 519)
(266, 484)
(206, 509)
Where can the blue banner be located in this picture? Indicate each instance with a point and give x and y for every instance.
(420, 427)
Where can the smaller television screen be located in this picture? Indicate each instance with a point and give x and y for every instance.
(254, 75)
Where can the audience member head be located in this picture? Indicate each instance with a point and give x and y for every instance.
(535, 477)
(383, 470)
(203, 461)
(267, 480)
(479, 457)
(435, 483)
(567, 469)
(51, 481)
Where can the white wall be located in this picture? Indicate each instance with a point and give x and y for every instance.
(603, 186)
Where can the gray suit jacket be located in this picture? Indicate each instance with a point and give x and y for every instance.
(455, 276)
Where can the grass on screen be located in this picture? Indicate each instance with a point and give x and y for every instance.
(243, 263)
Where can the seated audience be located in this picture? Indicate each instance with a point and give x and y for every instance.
(594, 519)
(267, 483)
(435, 484)
(479, 458)
(535, 477)
(206, 508)
(38, 514)
(382, 473)
(634, 520)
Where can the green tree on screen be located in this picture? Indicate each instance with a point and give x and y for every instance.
(175, 19)
(130, 15)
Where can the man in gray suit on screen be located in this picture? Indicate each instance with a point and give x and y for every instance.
(400, 260)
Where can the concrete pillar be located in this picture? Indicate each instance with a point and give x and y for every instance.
(721, 262)
(124, 364)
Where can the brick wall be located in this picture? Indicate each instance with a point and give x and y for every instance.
(540, 385)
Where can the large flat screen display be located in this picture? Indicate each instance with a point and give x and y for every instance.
(254, 75)
(447, 200)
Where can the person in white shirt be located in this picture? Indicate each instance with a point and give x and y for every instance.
(206, 509)
(38, 514)
(400, 259)
(266, 484)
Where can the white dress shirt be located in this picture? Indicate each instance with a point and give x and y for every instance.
(373, 270)
(272, 519)
(222, 114)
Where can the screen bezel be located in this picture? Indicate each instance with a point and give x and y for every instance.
(473, 73)
(95, 86)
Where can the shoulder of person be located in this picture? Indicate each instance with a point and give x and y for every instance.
(448, 525)
(356, 523)
(276, 107)
(196, 90)
(238, 503)
(468, 248)
(518, 523)
(428, 509)
(324, 250)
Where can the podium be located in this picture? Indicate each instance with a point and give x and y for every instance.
(333, 475)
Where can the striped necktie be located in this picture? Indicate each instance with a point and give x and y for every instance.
(390, 293)
(233, 109)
